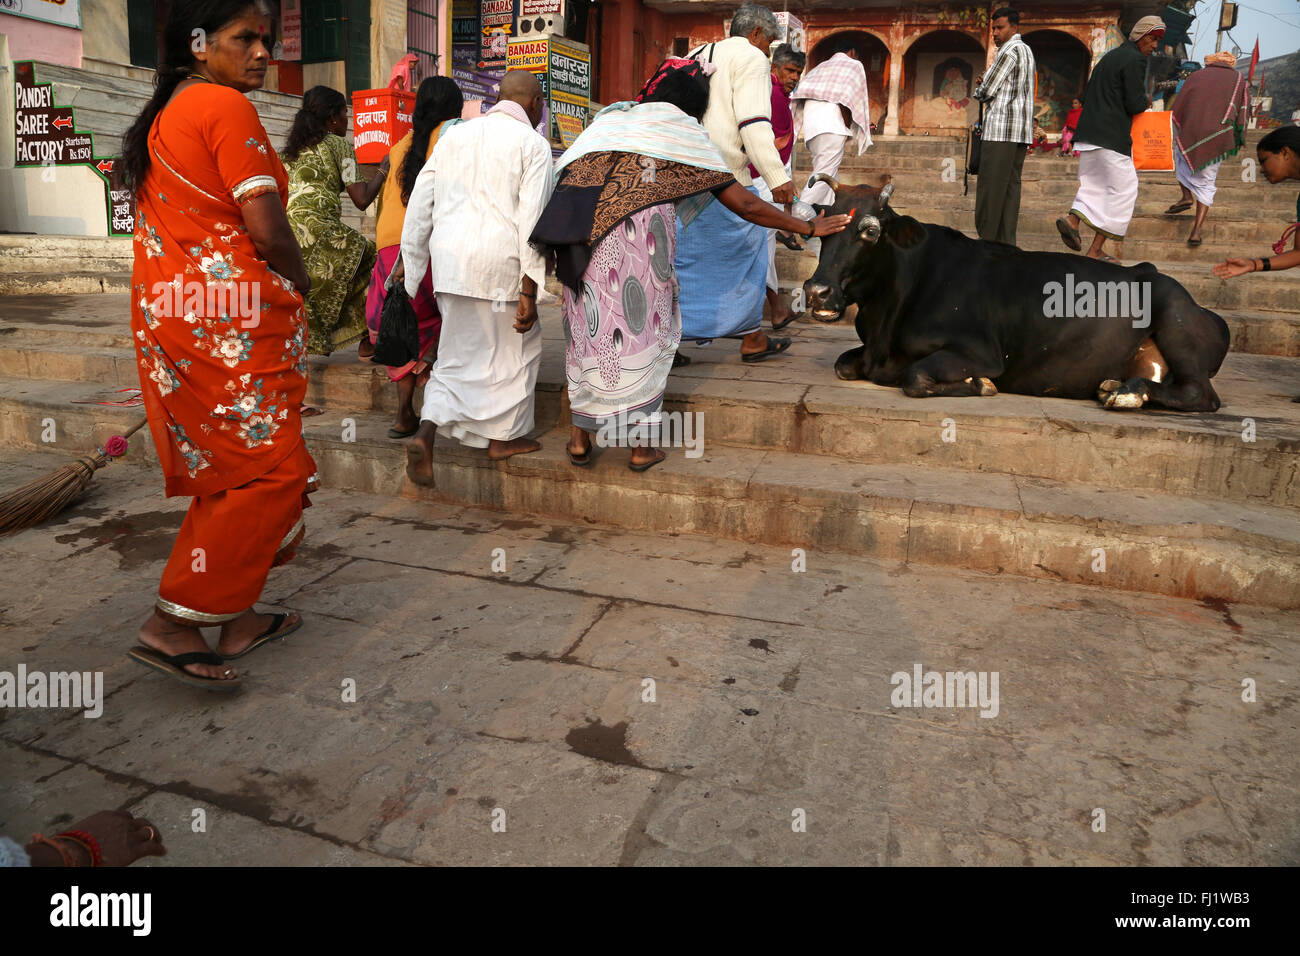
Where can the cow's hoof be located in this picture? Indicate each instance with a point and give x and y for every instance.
(1108, 388)
(1113, 394)
(986, 386)
(826, 315)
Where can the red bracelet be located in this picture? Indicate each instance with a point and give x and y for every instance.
(86, 840)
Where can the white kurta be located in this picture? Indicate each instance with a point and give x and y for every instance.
(471, 212)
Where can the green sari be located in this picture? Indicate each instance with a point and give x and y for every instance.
(339, 259)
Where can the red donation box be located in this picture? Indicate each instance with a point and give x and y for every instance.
(379, 119)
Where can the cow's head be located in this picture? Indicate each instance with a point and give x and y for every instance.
(846, 257)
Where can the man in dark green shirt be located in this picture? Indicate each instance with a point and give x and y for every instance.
(1108, 182)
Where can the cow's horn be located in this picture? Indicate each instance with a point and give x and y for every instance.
(827, 178)
(886, 191)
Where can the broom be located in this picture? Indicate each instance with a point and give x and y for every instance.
(44, 497)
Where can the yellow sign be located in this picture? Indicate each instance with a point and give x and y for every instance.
(530, 55)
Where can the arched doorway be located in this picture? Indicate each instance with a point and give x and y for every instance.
(1062, 74)
(939, 73)
(875, 60)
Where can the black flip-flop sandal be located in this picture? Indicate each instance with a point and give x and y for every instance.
(394, 433)
(1069, 235)
(647, 465)
(789, 241)
(681, 361)
(173, 666)
(581, 461)
(778, 326)
(1194, 242)
(272, 633)
(1181, 206)
(774, 347)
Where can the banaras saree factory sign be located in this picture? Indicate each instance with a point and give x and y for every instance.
(46, 135)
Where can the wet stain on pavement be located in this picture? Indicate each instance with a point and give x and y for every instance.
(138, 539)
(599, 742)
(1222, 607)
(790, 680)
(759, 643)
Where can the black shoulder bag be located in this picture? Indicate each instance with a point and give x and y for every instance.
(974, 139)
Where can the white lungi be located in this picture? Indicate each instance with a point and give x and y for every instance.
(1108, 190)
(1203, 184)
(482, 385)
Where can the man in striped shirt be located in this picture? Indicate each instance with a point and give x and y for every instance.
(1008, 89)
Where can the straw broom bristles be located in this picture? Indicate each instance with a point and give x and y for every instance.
(44, 497)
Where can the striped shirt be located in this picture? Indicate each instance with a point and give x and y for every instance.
(1008, 88)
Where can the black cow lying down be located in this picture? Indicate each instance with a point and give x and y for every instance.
(942, 314)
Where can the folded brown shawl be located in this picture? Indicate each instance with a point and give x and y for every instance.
(1210, 114)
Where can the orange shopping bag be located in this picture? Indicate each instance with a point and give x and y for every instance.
(1153, 141)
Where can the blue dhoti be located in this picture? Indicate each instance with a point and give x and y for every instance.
(722, 270)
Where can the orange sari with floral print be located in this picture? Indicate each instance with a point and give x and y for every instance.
(220, 339)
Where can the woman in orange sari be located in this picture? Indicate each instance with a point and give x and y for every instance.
(220, 338)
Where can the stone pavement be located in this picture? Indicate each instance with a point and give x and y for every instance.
(520, 696)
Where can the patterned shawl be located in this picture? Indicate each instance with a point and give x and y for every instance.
(841, 79)
(631, 157)
(1210, 115)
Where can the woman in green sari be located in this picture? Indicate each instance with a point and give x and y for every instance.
(321, 165)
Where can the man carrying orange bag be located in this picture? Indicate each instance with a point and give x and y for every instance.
(1108, 182)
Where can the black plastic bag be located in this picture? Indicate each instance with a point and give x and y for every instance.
(399, 330)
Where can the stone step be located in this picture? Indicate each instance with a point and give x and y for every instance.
(1240, 234)
(1278, 292)
(1148, 541)
(797, 405)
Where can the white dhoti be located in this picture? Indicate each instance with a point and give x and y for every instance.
(1108, 190)
(1202, 184)
(827, 152)
(481, 387)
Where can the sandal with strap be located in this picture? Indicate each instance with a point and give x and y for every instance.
(275, 632)
(775, 346)
(173, 665)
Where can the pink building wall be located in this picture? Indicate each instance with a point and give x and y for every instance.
(35, 40)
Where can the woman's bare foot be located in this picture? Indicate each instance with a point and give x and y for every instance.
(579, 443)
(236, 635)
(419, 454)
(498, 450)
(407, 420)
(643, 457)
(171, 639)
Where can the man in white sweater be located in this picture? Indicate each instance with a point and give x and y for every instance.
(473, 207)
(722, 259)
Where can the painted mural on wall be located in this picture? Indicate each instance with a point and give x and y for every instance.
(46, 135)
(943, 97)
(1058, 84)
(951, 14)
(1103, 41)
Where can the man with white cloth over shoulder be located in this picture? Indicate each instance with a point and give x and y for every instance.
(471, 212)
(830, 106)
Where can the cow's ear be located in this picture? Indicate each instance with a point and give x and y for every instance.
(905, 232)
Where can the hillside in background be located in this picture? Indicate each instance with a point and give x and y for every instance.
(1281, 81)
